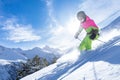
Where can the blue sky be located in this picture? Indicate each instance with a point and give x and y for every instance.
(35, 23)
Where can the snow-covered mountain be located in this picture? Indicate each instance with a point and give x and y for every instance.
(10, 59)
(44, 53)
(19, 54)
(10, 54)
(7, 70)
(103, 63)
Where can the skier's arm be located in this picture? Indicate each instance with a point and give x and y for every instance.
(78, 32)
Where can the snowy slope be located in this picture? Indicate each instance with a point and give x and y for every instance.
(103, 63)
(111, 18)
(114, 25)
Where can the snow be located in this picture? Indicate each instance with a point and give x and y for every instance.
(41, 73)
(96, 72)
(4, 62)
(102, 63)
(107, 21)
(70, 57)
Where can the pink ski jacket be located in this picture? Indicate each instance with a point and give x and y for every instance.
(88, 23)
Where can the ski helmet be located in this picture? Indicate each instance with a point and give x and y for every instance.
(82, 15)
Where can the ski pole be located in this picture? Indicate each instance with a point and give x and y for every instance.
(101, 41)
(97, 39)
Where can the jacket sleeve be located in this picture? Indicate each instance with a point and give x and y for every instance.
(79, 31)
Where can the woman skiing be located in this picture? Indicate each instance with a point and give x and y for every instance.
(91, 29)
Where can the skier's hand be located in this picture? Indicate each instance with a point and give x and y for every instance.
(76, 36)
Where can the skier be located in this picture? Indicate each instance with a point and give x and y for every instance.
(91, 29)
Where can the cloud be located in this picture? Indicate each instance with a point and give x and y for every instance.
(61, 36)
(53, 20)
(19, 32)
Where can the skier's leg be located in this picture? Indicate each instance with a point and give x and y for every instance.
(88, 43)
(82, 45)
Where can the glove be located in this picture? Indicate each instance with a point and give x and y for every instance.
(76, 35)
